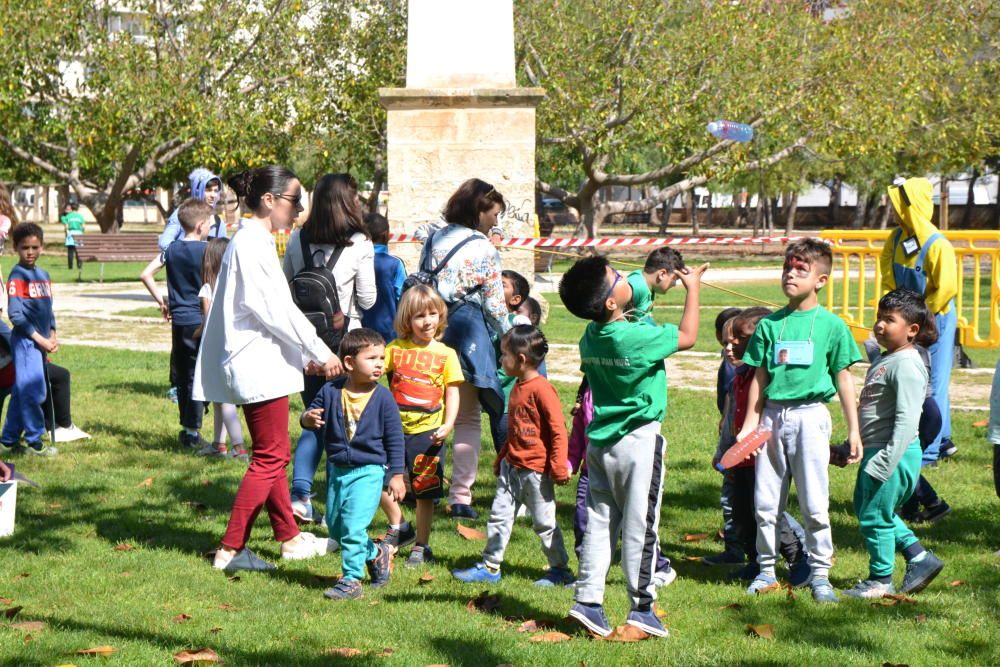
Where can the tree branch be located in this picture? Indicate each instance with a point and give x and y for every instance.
(44, 165)
(265, 25)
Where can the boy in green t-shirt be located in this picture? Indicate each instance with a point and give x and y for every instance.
(623, 362)
(803, 355)
(74, 221)
(656, 277)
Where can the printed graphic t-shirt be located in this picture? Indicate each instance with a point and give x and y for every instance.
(354, 405)
(623, 362)
(420, 374)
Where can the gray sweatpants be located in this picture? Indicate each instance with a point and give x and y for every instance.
(626, 480)
(799, 450)
(517, 486)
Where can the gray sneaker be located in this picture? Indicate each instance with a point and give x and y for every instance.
(210, 449)
(38, 449)
(420, 555)
(870, 590)
(920, 574)
(823, 592)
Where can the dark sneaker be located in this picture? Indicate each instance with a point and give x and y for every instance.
(870, 590)
(247, 561)
(748, 572)
(9, 447)
(920, 574)
(647, 622)
(402, 537)
(420, 556)
(345, 589)
(592, 617)
(240, 453)
(212, 449)
(477, 574)
(380, 567)
(192, 441)
(556, 576)
(911, 517)
(823, 592)
(936, 512)
(725, 558)
(948, 449)
(459, 511)
(38, 449)
(798, 574)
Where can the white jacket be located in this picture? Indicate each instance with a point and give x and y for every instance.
(255, 341)
(354, 271)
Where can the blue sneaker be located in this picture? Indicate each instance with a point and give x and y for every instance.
(592, 617)
(761, 582)
(799, 573)
(647, 622)
(823, 592)
(920, 573)
(345, 589)
(380, 567)
(556, 576)
(302, 510)
(748, 572)
(477, 574)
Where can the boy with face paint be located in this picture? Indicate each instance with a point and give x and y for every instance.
(205, 186)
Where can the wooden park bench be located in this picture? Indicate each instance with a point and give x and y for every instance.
(121, 247)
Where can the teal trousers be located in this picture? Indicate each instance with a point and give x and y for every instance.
(352, 497)
(875, 504)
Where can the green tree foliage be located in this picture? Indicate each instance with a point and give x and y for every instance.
(105, 102)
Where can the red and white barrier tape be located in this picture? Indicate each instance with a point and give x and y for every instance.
(620, 242)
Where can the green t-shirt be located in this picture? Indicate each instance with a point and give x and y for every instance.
(642, 297)
(623, 362)
(74, 225)
(833, 350)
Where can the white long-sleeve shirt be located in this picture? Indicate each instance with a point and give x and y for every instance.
(354, 271)
(255, 341)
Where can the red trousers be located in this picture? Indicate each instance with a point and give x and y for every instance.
(265, 482)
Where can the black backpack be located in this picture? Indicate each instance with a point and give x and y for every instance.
(314, 291)
(426, 275)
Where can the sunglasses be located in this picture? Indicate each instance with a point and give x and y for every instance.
(295, 201)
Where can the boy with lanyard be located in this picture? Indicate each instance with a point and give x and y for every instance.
(624, 364)
(803, 354)
(656, 277)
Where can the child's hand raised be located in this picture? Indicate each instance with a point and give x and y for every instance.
(313, 419)
(691, 277)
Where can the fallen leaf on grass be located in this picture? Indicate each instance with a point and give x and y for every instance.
(146, 483)
(97, 650)
(425, 579)
(225, 606)
(770, 588)
(899, 597)
(764, 631)
(6, 600)
(233, 578)
(12, 612)
(55, 506)
(920, 618)
(195, 505)
(182, 618)
(660, 613)
(894, 664)
(695, 537)
(386, 652)
(626, 633)
(215, 630)
(736, 606)
(469, 533)
(956, 583)
(327, 578)
(550, 637)
(23, 575)
(983, 423)
(484, 602)
(126, 573)
(123, 546)
(28, 626)
(344, 652)
(790, 593)
(533, 625)
(693, 558)
(197, 657)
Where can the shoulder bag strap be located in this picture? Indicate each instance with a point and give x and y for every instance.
(451, 253)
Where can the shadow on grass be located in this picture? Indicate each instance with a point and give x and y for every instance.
(155, 389)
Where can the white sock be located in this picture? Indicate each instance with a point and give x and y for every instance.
(922, 555)
(394, 526)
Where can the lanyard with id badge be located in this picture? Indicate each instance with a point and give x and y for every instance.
(794, 352)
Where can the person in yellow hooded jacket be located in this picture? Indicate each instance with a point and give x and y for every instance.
(918, 257)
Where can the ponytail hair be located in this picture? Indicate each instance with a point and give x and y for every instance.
(253, 184)
(527, 340)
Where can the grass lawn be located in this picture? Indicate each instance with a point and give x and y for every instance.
(68, 566)
(114, 272)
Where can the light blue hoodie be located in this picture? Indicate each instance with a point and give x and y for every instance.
(200, 178)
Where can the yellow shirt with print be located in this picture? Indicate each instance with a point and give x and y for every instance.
(419, 376)
(354, 405)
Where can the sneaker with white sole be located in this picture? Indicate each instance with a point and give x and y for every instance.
(420, 555)
(592, 617)
(664, 577)
(921, 573)
(70, 433)
(761, 582)
(870, 590)
(38, 449)
(306, 546)
(648, 622)
(302, 509)
(823, 591)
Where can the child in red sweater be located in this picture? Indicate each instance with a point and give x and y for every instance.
(530, 462)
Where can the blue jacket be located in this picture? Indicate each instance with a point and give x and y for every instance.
(389, 276)
(29, 301)
(378, 439)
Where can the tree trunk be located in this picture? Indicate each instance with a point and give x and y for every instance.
(692, 212)
(790, 210)
(833, 212)
(668, 209)
(758, 217)
(871, 210)
(943, 209)
(883, 222)
(708, 211)
(858, 220)
(970, 198)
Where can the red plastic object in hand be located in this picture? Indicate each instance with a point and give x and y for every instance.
(742, 449)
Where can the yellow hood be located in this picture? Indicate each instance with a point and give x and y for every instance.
(915, 218)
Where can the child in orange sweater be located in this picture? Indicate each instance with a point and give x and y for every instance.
(530, 462)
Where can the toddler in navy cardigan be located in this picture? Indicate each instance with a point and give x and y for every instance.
(358, 422)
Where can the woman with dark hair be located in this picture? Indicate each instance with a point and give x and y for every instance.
(254, 345)
(471, 285)
(335, 223)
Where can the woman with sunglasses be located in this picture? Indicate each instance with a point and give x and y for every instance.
(254, 345)
(335, 223)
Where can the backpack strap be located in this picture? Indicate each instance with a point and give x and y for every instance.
(307, 260)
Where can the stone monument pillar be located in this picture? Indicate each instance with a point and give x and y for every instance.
(461, 115)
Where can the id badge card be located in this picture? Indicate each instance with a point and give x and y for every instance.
(793, 352)
(911, 246)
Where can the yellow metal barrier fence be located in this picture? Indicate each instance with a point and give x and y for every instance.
(854, 296)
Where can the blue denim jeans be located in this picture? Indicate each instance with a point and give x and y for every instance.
(308, 450)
